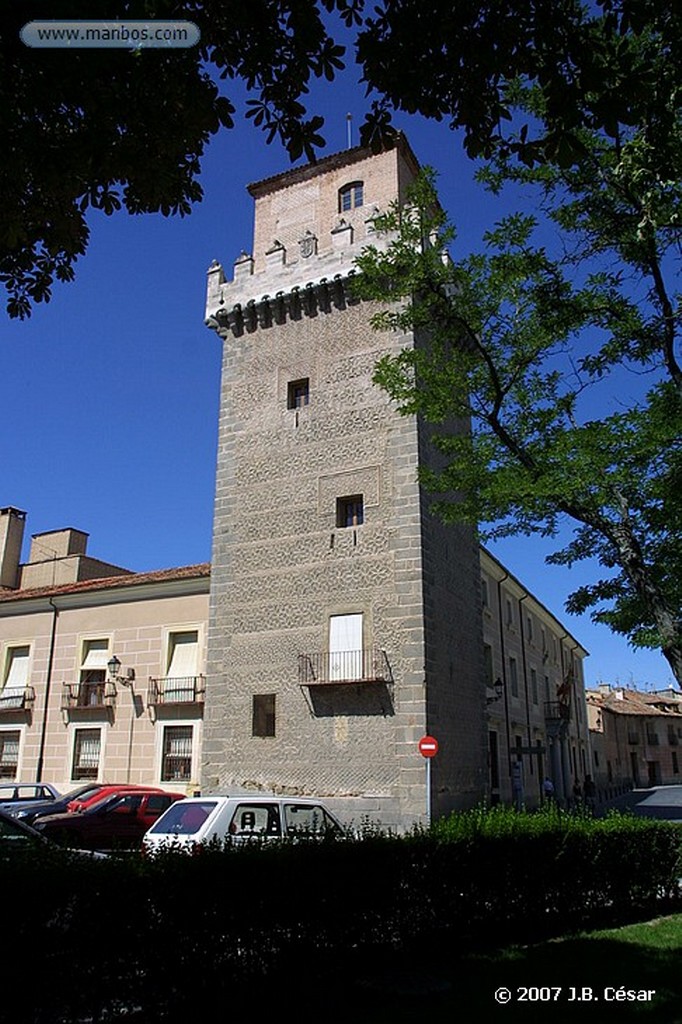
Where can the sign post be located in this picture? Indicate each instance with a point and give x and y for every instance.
(428, 748)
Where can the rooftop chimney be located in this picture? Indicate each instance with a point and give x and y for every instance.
(12, 521)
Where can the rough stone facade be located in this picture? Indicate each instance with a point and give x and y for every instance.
(284, 562)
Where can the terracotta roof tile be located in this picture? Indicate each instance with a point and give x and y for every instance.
(133, 579)
(633, 702)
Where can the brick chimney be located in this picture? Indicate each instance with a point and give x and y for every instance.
(12, 521)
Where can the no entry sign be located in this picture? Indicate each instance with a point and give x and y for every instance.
(428, 746)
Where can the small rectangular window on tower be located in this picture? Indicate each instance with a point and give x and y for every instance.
(350, 511)
(351, 196)
(263, 721)
(298, 393)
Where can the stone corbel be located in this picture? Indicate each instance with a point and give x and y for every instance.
(243, 266)
(276, 255)
(342, 235)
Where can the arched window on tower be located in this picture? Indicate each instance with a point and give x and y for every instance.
(351, 196)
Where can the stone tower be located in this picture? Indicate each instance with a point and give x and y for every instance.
(345, 619)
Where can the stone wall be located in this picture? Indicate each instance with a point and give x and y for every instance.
(282, 565)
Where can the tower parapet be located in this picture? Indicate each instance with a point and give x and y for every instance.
(310, 226)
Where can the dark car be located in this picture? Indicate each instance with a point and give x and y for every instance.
(75, 800)
(115, 823)
(15, 795)
(16, 835)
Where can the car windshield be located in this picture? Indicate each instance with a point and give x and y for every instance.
(184, 819)
(81, 793)
(101, 804)
(12, 831)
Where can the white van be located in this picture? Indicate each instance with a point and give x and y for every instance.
(200, 819)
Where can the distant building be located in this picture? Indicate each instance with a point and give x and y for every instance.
(346, 619)
(101, 669)
(537, 717)
(636, 737)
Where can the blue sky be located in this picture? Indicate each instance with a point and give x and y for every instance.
(110, 391)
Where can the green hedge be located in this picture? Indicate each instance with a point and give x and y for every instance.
(165, 938)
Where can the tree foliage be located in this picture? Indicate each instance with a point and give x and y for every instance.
(524, 344)
(580, 102)
(119, 129)
(126, 130)
(597, 65)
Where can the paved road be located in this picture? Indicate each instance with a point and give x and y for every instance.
(663, 802)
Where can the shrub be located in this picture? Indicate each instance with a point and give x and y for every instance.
(173, 934)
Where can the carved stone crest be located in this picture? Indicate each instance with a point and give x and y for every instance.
(308, 245)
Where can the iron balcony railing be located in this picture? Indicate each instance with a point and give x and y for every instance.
(176, 690)
(17, 698)
(557, 711)
(366, 666)
(89, 695)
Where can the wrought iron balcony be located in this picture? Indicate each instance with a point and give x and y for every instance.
(176, 690)
(557, 711)
(88, 695)
(332, 667)
(17, 698)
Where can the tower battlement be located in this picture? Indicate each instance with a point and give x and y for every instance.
(311, 223)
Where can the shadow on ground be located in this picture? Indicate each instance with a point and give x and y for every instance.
(572, 980)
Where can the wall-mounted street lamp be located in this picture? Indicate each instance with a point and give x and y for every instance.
(114, 666)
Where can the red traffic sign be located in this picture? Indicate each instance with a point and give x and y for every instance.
(428, 746)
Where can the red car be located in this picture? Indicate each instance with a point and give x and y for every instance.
(98, 792)
(116, 822)
(75, 800)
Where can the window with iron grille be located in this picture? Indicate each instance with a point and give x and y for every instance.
(177, 753)
(351, 196)
(9, 754)
(87, 747)
(350, 511)
(263, 720)
(298, 393)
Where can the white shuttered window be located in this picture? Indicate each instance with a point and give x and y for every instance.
(345, 646)
(16, 677)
